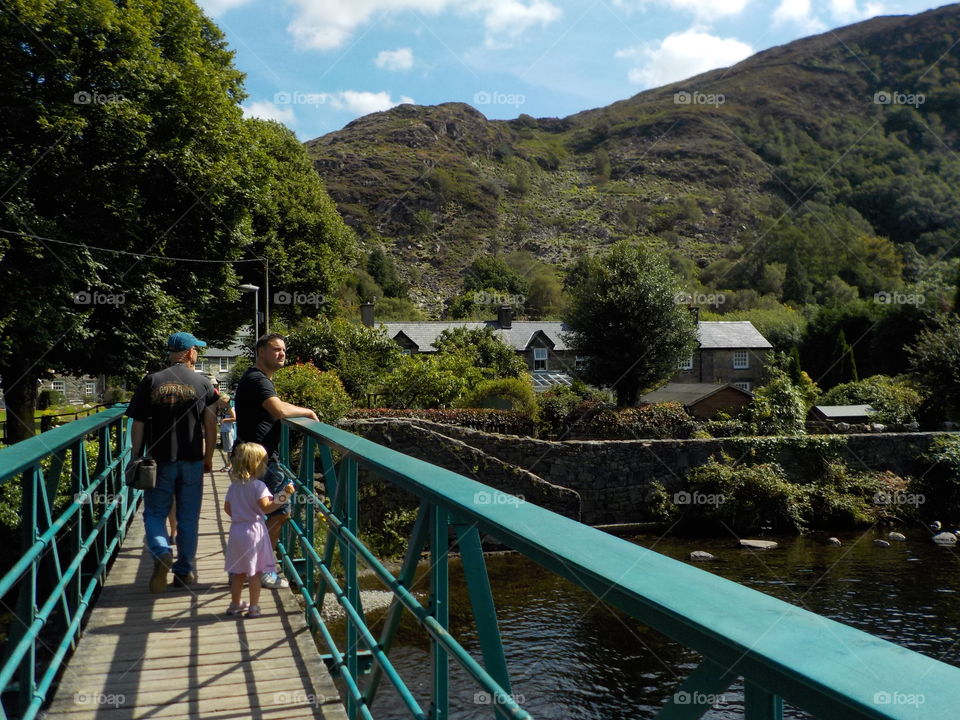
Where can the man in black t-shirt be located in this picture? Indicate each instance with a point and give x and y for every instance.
(174, 420)
(259, 411)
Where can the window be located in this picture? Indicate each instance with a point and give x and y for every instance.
(580, 363)
(89, 388)
(202, 365)
(224, 364)
(59, 386)
(686, 363)
(742, 385)
(741, 360)
(539, 359)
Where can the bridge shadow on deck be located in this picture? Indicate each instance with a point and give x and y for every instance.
(178, 655)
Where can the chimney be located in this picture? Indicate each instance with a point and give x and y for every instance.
(366, 314)
(505, 317)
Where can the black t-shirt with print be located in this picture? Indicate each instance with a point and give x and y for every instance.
(170, 402)
(254, 424)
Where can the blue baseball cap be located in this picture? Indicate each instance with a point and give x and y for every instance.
(180, 341)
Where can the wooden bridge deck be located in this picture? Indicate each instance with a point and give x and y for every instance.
(178, 655)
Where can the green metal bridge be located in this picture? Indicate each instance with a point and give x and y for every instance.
(784, 654)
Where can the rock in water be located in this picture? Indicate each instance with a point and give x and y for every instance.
(881, 543)
(701, 556)
(758, 544)
(899, 537)
(945, 538)
(833, 541)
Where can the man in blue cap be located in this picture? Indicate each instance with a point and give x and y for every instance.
(175, 420)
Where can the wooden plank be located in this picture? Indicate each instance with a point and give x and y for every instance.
(178, 655)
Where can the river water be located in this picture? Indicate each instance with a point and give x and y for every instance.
(573, 658)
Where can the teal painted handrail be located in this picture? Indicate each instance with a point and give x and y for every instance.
(783, 652)
(63, 559)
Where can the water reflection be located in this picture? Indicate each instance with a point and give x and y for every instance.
(572, 657)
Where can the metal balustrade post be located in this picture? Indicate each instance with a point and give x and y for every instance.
(348, 489)
(760, 704)
(440, 610)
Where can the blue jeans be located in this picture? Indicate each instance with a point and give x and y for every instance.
(275, 480)
(183, 481)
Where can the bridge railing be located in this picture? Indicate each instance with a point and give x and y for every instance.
(782, 652)
(73, 518)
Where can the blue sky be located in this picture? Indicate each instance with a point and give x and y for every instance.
(315, 65)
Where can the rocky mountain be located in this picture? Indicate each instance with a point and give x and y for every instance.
(861, 121)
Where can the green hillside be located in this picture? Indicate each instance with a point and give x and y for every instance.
(787, 174)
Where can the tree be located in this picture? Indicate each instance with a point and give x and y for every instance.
(935, 361)
(124, 132)
(493, 272)
(361, 356)
(778, 406)
(485, 350)
(624, 317)
(430, 381)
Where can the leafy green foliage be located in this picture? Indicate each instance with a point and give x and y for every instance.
(490, 271)
(778, 407)
(484, 350)
(935, 360)
(894, 402)
(361, 356)
(940, 486)
(504, 422)
(321, 391)
(624, 317)
(430, 381)
(518, 392)
(49, 398)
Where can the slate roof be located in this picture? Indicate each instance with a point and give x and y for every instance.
(834, 412)
(687, 393)
(518, 336)
(712, 334)
(716, 334)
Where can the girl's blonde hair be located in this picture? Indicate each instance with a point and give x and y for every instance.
(249, 462)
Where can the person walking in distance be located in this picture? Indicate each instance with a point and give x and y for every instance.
(174, 420)
(228, 421)
(259, 411)
(249, 553)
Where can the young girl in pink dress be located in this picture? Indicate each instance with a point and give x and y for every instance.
(249, 551)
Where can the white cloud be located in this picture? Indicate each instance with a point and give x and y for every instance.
(399, 59)
(362, 102)
(328, 24)
(797, 12)
(848, 11)
(266, 110)
(682, 55)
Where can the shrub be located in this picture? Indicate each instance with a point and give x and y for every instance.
(430, 381)
(777, 407)
(50, 398)
(940, 485)
(115, 394)
(518, 390)
(747, 498)
(303, 384)
(895, 402)
(487, 420)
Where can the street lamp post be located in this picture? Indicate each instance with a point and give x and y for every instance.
(255, 289)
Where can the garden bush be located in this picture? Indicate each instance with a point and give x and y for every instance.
(519, 391)
(895, 402)
(496, 421)
(304, 385)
